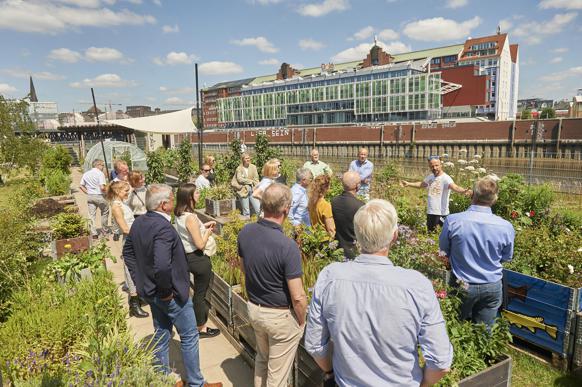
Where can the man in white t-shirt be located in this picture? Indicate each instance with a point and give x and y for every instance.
(93, 184)
(439, 186)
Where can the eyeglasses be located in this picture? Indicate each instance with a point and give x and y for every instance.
(206, 170)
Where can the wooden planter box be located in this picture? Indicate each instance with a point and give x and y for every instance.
(243, 331)
(219, 296)
(308, 373)
(542, 313)
(217, 208)
(61, 247)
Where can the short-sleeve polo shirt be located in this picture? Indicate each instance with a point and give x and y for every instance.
(269, 259)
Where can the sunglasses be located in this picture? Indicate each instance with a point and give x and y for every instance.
(206, 170)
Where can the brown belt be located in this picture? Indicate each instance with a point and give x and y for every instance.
(271, 307)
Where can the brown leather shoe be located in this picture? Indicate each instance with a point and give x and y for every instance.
(219, 384)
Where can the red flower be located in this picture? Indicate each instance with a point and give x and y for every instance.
(442, 294)
(532, 213)
(513, 214)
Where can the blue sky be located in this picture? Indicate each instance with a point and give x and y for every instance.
(137, 52)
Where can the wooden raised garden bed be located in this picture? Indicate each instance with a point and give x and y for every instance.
(61, 247)
(542, 313)
(219, 295)
(242, 329)
(217, 208)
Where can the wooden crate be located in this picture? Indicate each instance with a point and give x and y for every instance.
(220, 207)
(497, 375)
(542, 313)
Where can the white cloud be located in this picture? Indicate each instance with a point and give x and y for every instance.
(157, 2)
(564, 4)
(439, 28)
(177, 101)
(322, 9)
(170, 29)
(362, 34)
(104, 81)
(560, 50)
(388, 34)
(104, 54)
(505, 25)
(53, 16)
(533, 32)
(310, 44)
(219, 68)
(175, 58)
(361, 51)
(560, 76)
(23, 73)
(260, 42)
(265, 2)
(6, 88)
(179, 90)
(270, 62)
(65, 55)
(556, 59)
(456, 3)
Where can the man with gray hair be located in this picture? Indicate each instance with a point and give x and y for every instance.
(155, 257)
(277, 302)
(299, 214)
(316, 166)
(344, 208)
(93, 184)
(476, 242)
(376, 314)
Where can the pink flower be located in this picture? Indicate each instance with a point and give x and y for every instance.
(442, 294)
(513, 214)
(532, 213)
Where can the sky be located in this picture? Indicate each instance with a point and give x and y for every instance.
(142, 52)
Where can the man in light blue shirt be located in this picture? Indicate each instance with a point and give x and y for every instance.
(476, 242)
(365, 168)
(376, 314)
(299, 214)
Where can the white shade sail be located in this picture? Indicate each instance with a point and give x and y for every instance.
(168, 123)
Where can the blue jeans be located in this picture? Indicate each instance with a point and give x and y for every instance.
(244, 203)
(481, 302)
(165, 315)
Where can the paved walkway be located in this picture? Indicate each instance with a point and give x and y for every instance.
(219, 360)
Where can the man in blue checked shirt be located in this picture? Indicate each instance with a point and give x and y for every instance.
(365, 168)
(476, 242)
(299, 214)
(376, 314)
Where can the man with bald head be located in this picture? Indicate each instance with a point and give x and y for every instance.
(344, 208)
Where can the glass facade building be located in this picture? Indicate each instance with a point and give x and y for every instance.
(396, 92)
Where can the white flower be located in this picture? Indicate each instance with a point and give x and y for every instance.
(580, 250)
(474, 161)
(475, 172)
(470, 168)
(481, 170)
(462, 151)
(449, 164)
(445, 155)
(461, 162)
(571, 269)
(527, 213)
(477, 156)
(494, 177)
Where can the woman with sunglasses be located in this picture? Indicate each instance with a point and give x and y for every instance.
(202, 181)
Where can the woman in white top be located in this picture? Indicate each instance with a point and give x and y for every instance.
(117, 194)
(270, 173)
(136, 199)
(199, 245)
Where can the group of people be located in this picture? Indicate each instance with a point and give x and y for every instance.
(366, 319)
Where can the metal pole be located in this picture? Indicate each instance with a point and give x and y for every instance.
(532, 149)
(100, 135)
(198, 119)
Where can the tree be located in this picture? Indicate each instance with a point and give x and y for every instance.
(548, 113)
(184, 162)
(264, 152)
(526, 114)
(155, 164)
(226, 165)
(19, 146)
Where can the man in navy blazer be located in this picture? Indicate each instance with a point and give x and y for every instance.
(155, 257)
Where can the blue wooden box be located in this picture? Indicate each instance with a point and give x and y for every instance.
(541, 312)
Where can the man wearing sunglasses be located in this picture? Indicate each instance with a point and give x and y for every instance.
(202, 181)
(439, 186)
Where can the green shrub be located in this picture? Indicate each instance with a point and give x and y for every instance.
(218, 192)
(69, 266)
(264, 152)
(68, 225)
(184, 161)
(57, 157)
(226, 164)
(156, 169)
(57, 182)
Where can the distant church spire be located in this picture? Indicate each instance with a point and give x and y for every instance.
(33, 97)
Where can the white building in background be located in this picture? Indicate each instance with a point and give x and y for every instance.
(500, 60)
(45, 115)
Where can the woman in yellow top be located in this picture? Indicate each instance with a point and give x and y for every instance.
(319, 208)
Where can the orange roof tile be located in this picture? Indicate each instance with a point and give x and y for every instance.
(500, 39)
(513, 49)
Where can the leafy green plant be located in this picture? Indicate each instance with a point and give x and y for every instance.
(57, 157)
(218, 192)
(57, 182)
(226, 165)
(226, 262)
(184, 161)
(336, 188)
(69, 225)
(155, 163)
(70, 266)
(264, 151)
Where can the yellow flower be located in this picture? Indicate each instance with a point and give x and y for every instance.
(67, 246)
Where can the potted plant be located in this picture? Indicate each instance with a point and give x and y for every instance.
(70, 234)
(219, 200)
